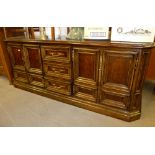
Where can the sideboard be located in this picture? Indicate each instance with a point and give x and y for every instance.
(104, 77)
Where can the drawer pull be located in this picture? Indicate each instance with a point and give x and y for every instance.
(57, 86)
(56, 54)
(57, 71)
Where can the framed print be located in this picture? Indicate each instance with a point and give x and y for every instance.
(133, 34)
(97, 33)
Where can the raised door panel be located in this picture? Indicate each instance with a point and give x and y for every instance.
(36, 80)
(33, 59)
(86, 68)
(21, 76)
(57, 53)
(16, 56)
(85, 93)
(117, 76)
(86, 64)
(59, 70)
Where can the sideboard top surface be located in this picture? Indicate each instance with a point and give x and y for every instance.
(84, 43)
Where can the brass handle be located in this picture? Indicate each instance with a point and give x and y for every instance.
(57, 71)
(56, 54)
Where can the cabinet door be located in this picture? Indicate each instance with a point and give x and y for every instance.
(16, 56)
(33, 59)
(117, 76)
(86, 62)
(86, 67)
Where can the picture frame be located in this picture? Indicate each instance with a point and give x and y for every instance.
(133, 34)
(96, 33)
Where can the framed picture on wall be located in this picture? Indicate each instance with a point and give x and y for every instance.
(96, 33)
(133, 34)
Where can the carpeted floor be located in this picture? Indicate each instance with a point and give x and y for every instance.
(22, 108)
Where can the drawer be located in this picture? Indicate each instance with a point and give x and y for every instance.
(57, 70)
(36, 80)
(21, 76)
(85, 93)
(58, 86)
(58, 53)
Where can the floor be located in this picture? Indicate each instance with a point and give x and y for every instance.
(19, 108)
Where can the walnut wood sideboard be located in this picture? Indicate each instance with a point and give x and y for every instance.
(104, 77)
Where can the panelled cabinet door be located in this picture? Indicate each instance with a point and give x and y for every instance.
(86, 64)
(33, 59)
(117, 76)
(16, 56)
(85, 68)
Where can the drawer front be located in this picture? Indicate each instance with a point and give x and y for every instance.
(58, 70)
(20, 76)
(59, 53)
(36, 80)
(58, 86)
(85, 93)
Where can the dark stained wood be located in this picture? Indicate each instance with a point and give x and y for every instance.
(21, 76)
(20, 32)
(32, 56)
(85, 93)
(6, 64)
(56, 52)
(119, 67)
(16, 56)
(61, 87)
(151, 68)
(16, 52)
(103, 77)
(56, 69)
(82, 43)
(53, 33)
(2, 69)
(86, 65)
(36, 80)
(1, 66)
